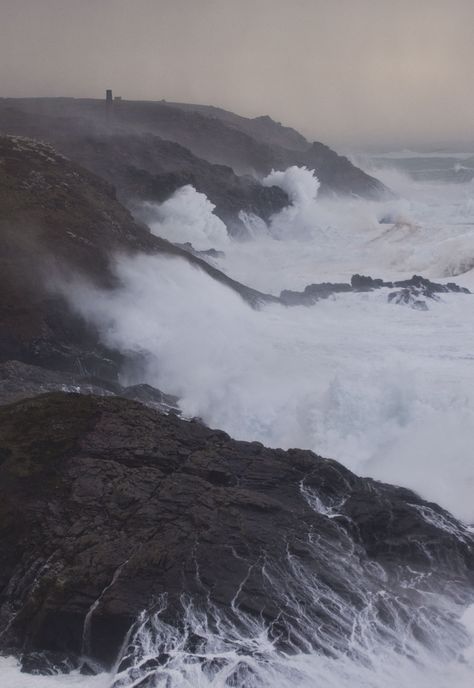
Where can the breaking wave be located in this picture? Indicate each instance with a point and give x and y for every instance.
(187, 217)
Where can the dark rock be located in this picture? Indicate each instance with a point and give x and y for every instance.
(20, 381)
(419, 282)
(364, 283)
(48, 663)
(313, 293)
(209, 253)
(411, 292)
(151, 397)
(408, 297)
(106, 505)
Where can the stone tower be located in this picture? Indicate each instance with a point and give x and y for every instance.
(109, 104)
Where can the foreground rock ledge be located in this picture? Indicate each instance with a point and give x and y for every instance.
(106, 504)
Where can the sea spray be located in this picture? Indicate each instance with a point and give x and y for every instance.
(354, 377)
(385, 389)
(187, 216)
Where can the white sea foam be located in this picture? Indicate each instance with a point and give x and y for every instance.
(230, 658)
(367, 636)
(380, 641)
(429, 229)
(12, 677)
(188, 217)
(300, 184)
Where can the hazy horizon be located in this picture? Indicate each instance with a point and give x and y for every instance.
(352, 73)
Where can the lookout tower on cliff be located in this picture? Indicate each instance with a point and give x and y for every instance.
(109, 105)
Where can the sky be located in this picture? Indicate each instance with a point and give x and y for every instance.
(348, 72)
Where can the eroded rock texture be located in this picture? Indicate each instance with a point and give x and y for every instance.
(106, 505)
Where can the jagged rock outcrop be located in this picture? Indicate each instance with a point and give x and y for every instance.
(106, 505)
(411, 292)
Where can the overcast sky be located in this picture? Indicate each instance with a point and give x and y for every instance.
(342, 71)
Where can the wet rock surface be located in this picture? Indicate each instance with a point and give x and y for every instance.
(48, 663)
(106, 505)
(20, 381)
(410, 292)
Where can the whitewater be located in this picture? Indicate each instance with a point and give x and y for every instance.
(385, 389)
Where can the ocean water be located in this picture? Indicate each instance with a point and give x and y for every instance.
(383, 388)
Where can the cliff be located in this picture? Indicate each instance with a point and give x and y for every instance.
(59, 221)
(109, 509)
(149, 149)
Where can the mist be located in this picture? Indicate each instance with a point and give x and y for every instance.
(351, 73)
(188, 216)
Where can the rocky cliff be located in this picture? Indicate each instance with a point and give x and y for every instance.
(141, 165)
(109, 509)
(57, 221)
(149, 149)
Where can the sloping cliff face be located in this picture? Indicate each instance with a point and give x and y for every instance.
(280, 147)
(59, 221)
(221, 142)
(109, 509)
(262, 128)
(141, 165)
(54, 218)
(167, 145)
